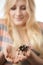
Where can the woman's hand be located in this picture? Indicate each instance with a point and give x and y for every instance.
(11, 53)
(16, 55)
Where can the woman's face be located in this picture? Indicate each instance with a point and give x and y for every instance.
(18, 12)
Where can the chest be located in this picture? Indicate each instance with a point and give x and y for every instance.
(24, 37)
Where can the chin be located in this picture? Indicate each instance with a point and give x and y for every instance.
(19, 23)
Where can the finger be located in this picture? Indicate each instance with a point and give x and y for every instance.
(9, 59)
(5, 53)
(16, 60)
(28, 53)
(21, 56)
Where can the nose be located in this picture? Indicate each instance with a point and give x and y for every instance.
(18, 12)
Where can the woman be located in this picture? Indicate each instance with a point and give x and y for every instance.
(22, 30)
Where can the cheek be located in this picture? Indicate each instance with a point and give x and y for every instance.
(12, 13)
(26, 16)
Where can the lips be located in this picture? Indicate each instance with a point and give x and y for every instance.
(19, 19)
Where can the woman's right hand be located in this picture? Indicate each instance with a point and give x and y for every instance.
(9, 52)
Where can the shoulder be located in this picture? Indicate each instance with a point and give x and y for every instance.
(41, 26)
(38, 26)
(3, 25)
(4, 35)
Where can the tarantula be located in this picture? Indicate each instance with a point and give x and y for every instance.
(25, 48)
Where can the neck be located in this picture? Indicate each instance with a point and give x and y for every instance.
(21, 28)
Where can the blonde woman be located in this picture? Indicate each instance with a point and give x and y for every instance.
(22, 30)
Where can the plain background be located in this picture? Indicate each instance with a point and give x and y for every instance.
(38, 11)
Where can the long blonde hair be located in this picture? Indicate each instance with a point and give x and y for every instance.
(33, 29)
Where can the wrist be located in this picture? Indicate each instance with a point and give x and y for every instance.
(2, 58)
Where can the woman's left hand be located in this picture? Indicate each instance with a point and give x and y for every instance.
(23, 55)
